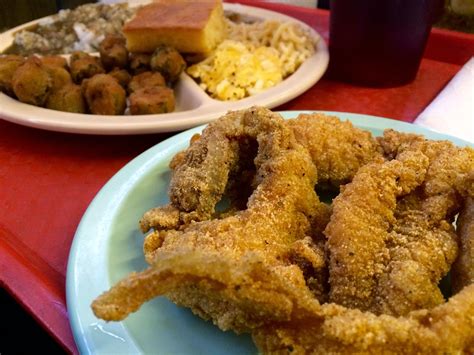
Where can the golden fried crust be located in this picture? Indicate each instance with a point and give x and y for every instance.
(338, 149)
(331, 329)
(139, 63)
(238, 283)
(262, 268)
(448, 183)
(8, 65)
(31, 82)
(450, 167)
(463, 268)
(152, 101)
(104, 95)
(55, 61)
(263, 262)
(60, 77)
(83, 66)
(146, 79)
(122, 76)
(202, 172)
(68, 98)
(113, 52)
(358, 232)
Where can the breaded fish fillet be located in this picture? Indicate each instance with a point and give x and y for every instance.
(383, 259)
(248, 268)
(337, 148)
(463, 269)
(221, 161)
(333, 329)
(448, 170)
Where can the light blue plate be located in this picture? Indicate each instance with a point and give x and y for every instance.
(108, 246)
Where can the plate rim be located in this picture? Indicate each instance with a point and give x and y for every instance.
(147, 160)
(42, 118)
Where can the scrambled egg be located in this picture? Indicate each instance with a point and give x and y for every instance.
(236, 70)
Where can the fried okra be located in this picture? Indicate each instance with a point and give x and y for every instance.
(146, 80)
(168, 62)
(8, 65)
(83, 66)
(54, 61)
(59, 76)
(32, 82)
(152, 100)
(122, 76)
(113, 52)
(68, 98)
(139, 63)
(104, 95)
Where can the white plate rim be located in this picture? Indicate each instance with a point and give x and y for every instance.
(301, 80)
(88, 249)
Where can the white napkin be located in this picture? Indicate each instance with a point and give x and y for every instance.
(452, 111)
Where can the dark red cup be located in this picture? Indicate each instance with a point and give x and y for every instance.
(379, 42)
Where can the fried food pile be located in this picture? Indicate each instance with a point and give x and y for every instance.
(96, 85)
(247, 243)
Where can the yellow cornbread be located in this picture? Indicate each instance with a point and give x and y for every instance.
(189, 26)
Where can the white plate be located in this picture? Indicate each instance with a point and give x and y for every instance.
(108, 246)
(194, 106)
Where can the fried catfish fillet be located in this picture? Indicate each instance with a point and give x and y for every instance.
(251, 266)
(462, 273)
(449, 169)
(225, 152)
(334, 329)
(463, 268)
(220, 161)
(385, 259)
(337, 148)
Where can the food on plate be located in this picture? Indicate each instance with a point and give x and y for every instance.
(80, 29)
(31, 82)
(67, 98)
(337, 148)
(104, 95)
(254, 57)
(8, 65)
(55, 61)
(293, 42)
(146, 80)
(40, 77)
(359, 276)
(385, 259)
(167, 61)
(248, 267)
(113, 52)
(463, 269)
(59, 76)
(450, 167)
(233, 59)
(83, 66)
(331, 328)
(188, 26)
(139, 63)
(214, 162)
(122, 76)
(235, 71)
(152, 100)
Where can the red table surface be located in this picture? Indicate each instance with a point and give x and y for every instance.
(48, 179)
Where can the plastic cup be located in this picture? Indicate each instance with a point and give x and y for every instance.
(379, 42)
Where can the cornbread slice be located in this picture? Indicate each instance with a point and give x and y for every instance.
(189, 26)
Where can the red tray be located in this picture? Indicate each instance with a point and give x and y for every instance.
(48, 179)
